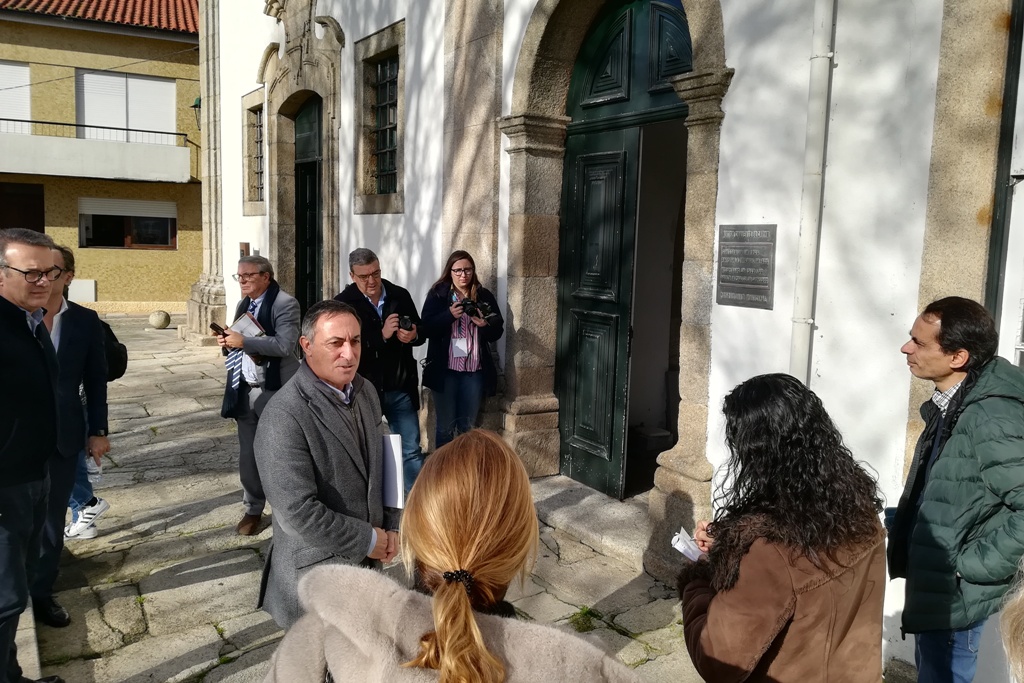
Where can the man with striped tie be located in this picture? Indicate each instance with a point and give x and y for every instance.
(256, 368)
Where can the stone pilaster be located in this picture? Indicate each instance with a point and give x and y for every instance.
(536, 149)
(472, 87)
(682, 488)
(206, 299)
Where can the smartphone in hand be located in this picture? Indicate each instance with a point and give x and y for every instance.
(218, 329)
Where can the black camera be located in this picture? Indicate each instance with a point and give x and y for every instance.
(405, 323)
(476, 309)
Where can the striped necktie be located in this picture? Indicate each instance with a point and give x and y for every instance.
(234, 360)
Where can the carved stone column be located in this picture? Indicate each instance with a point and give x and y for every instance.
(682, 488)
(530, 414)
(206, 299)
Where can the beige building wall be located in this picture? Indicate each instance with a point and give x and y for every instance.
(128, 280)
(54, 53)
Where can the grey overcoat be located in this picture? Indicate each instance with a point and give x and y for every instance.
(325, 491)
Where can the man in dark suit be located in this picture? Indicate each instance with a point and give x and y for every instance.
(320, 448)
(78, 338)
(28, 424)
(257, 368)
(389, 331)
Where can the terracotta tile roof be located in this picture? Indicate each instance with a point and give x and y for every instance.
(169, 15)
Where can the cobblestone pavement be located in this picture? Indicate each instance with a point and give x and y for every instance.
(167, 591)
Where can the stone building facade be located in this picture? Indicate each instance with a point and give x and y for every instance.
(880, 138)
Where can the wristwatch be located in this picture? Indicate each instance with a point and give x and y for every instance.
(99, 432)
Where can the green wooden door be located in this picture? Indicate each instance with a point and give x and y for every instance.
(309, 254)
(619, 84)
(596, 272)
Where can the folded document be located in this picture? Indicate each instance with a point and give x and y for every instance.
(684, 543)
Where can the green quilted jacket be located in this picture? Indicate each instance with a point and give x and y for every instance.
(960, 552)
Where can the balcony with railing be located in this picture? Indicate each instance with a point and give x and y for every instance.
(75, 150)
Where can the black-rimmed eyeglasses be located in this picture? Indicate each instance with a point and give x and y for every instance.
(243, 277)
(34, 276)
(375, 275)
(462, 271)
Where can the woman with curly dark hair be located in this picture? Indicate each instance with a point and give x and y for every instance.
(792, 585)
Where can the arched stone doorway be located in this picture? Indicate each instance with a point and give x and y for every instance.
(622, 196)
(536, 134)
(308, 72)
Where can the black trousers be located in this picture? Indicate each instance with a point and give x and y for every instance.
(22, 515)
(62, 480)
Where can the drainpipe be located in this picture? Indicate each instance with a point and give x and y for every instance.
(819, 96)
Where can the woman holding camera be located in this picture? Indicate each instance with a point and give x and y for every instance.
(460, 318)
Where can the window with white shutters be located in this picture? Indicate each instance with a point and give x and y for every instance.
(114, 106)
(15, 103)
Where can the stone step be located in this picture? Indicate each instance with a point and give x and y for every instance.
(618, 529)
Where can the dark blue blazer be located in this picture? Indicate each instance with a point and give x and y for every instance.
(28, 405)
(82, 357)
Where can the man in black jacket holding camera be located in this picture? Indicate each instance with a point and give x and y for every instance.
(389, 331)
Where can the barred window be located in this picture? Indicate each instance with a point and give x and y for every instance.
(258, 161)
(380, 132)
(254, 160)
(385, 129)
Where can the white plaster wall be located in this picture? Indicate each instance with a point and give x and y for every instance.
(244, 34)
(759, 181)
(876, 189)
(882, 109)
(408, 244)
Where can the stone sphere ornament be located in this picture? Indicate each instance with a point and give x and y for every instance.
(159, 319)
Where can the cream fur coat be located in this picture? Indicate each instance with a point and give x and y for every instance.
(364, 625)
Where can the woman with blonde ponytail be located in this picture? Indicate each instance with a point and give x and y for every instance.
(469, 530)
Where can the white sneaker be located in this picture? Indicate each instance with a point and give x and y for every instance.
(87, 516)
(87, 532)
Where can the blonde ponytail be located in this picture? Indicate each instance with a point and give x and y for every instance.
(470, 510)
(466, 658)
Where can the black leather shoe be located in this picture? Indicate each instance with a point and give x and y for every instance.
(50, 613)
(48, 679)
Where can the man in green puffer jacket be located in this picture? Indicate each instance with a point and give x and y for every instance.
(958, 532)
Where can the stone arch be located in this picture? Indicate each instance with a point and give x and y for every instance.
(536, 135)
(309, 66)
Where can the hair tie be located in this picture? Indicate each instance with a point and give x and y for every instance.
(459, 576)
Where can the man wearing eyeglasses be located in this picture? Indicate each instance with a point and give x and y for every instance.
(257, 368)
(28, 424)
(78, 339)
(389, 331)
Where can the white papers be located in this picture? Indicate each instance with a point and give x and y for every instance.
(394, 481)
(247, 326)
(684, 543)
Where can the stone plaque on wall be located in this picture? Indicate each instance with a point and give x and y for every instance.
(746, 266)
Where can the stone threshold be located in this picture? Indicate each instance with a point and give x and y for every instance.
(618, 529)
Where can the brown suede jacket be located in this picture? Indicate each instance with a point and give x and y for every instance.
(783, 619)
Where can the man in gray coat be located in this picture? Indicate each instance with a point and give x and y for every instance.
(319, 451)
(257, 367)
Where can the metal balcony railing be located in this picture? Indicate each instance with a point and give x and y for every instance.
(107, 133)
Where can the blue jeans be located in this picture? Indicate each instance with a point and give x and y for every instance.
(405, 421)
(948, 656)
(458, 405)
(81, 493)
